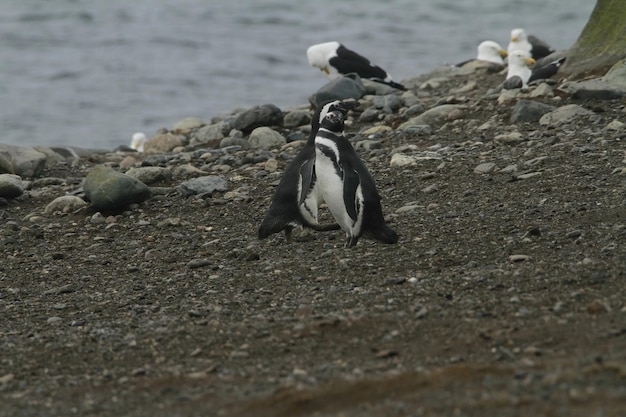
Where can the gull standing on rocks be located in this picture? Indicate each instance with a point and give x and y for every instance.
(334, 59)
(139, 139)
(535, 47)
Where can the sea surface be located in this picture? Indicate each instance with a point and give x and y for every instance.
(90, 73)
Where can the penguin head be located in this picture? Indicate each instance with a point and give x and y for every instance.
(343, 106)
(333, 121)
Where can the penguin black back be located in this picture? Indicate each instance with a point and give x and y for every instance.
(287, 206)
(347, 186)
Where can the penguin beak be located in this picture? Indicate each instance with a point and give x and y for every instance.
(529, 61)
(514, 39)
(503, 53)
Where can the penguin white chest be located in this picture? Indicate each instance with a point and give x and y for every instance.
(331, 184)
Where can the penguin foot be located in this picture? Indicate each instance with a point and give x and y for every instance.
(351, 241)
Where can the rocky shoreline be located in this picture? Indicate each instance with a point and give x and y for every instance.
(133, 283)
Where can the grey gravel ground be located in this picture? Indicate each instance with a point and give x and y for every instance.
(504, 296)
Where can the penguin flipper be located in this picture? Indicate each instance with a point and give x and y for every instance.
(307, 172)
(351, 182)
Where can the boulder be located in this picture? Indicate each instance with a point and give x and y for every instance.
(108, 189)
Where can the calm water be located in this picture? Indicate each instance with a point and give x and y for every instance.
(90, 73)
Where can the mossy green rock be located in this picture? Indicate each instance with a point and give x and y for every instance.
(108, 189)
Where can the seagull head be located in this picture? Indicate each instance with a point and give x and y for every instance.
(319, 55)
(492, 52)
(518, 35)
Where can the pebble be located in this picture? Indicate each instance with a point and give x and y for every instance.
(198, 263)
(485, 168)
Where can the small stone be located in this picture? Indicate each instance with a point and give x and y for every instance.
(419, 130)
(616, 125)
(271, 165)
(519, 258)
(54, 320)
(65, 204)
(485, 168)
(198, 263)
(574, 234)
(401, 160)
(597, 307)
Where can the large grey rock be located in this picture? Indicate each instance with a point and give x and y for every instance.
(564, 114)
(529, 111)
(616, 77)
(296, 118)
(162, 143)
(203, 185)
(389, 103)
(257, 116)
(150, 175)
(264, 137)
(235, 141)
(188, 123)
(26, 162)
(65, 204)
(6, 166)
(108, 189)
(11, 186)
(341, 88)
(435, 116)
(210, 135)
(595, 89)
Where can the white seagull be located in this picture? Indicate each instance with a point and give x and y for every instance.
(519, 70)
(334, 59)
(139, 139)
(528, 43)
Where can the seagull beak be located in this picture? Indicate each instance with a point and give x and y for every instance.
(325, 69)
(529, 61)
(514, 39)
(503, 53)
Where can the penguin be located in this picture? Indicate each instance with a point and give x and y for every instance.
(335, 59)
(296, 199)
(347, 186)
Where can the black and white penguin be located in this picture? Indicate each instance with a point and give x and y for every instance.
(334, 59)
(296, 199)
(347, 186)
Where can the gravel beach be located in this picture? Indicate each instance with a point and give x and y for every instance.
(504, 295)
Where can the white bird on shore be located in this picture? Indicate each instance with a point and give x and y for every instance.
(519, 71)
(491, 51)
(535, 47)
(334, 60)
(139, 139)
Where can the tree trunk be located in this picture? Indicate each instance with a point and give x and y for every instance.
(601, 44)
